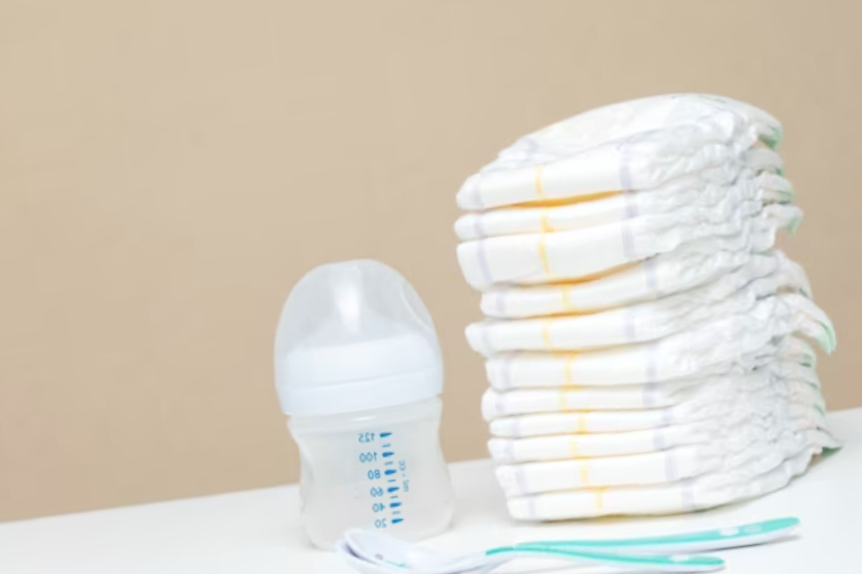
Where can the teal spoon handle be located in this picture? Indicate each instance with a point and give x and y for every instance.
(707, 540)
(652, 562)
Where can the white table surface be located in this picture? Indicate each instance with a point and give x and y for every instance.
(258, 532)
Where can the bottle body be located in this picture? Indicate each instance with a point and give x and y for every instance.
(377, 469)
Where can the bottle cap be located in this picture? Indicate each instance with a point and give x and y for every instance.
(354, 336)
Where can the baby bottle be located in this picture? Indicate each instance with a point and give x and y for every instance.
(359, 372)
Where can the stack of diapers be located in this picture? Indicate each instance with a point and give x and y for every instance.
(648, 349)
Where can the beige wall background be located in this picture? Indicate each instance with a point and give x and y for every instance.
(170, 168)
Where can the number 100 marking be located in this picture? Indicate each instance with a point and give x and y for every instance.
(367, 457)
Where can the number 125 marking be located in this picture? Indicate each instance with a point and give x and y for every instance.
(365, 437)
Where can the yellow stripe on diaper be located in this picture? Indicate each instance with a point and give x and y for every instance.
(567, 301)
(574, 450)
(546, 225)
(564, 405)
(580, 416)
(585, 471)
(540, 194)
(600, 503)
(570, 381)
(564, 201)
(543, 255)
(540, 191)
(546, 335)
(570, 386)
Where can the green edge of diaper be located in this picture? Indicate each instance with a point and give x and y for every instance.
(831, 336)
(794, 225)
(826, 341)
(774, 141)
(786, 197)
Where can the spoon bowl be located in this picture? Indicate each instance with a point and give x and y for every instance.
(360, 564)
(399, 556)
(388, 550)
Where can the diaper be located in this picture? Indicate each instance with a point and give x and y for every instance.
(684, 354)
(755, 479)
(758, 398)
(636, 323)
(787, 378)
(686, 267)
(580, 253)
(690, 194)
(631, 145)
(665, 466)
(591, 444)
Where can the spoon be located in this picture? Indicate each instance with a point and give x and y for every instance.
(701, 541)
(396, 556)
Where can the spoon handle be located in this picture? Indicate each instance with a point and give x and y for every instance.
(701, 541)
(652, 562)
